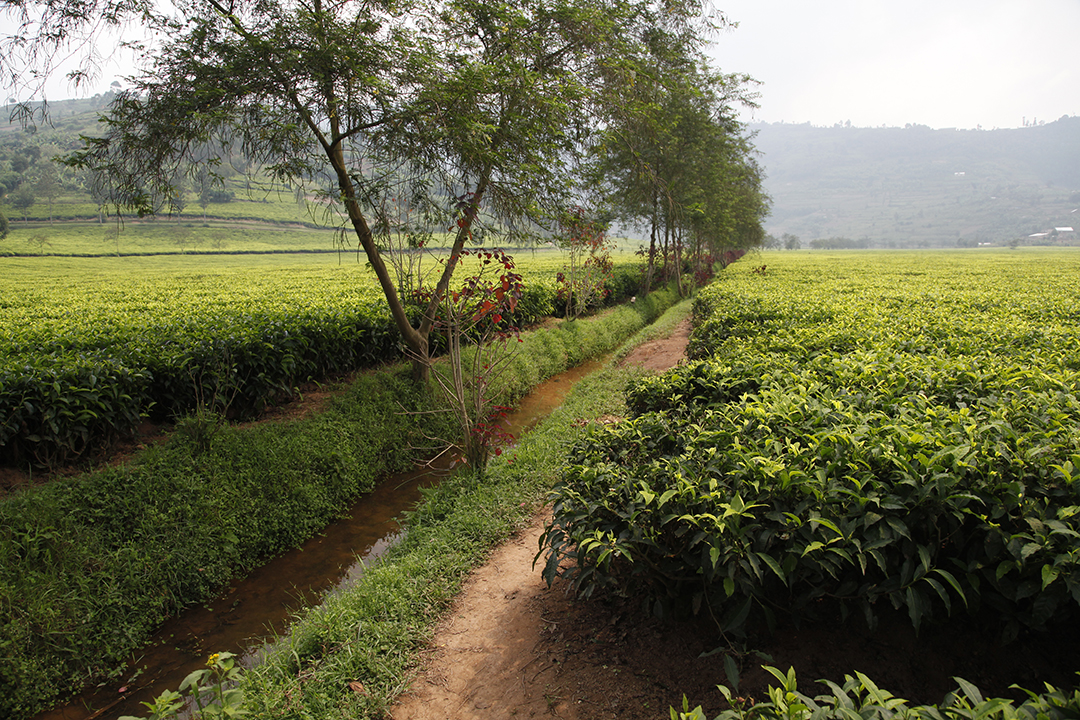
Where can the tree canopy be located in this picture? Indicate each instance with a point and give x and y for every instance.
(674, 158)
(470, 112)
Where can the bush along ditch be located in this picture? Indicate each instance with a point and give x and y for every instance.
(90, 565)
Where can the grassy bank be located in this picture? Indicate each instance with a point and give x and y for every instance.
(88, 566)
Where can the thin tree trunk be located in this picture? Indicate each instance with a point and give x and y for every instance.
(677, 247)
(415, 340)
(651, 267)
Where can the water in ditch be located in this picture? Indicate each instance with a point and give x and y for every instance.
(260, 605)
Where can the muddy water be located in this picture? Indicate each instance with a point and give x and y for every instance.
(258, 606)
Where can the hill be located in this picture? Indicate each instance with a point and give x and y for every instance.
(919, 187)
(840, 186)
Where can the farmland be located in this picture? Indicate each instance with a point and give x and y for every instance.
(90, 564)
(92, 344)
(857, 432)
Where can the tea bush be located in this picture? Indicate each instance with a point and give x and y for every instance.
(860, 697)
(84, 359)
(853, 434)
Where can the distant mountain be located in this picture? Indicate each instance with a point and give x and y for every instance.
(918, 187)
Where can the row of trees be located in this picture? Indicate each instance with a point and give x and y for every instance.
(28, 175)
(481, 115)
(787, 241)
(673, 159)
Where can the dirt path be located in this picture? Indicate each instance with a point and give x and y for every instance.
(503, 651)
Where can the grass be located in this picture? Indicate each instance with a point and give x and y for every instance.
(187, 235)
(261, 230)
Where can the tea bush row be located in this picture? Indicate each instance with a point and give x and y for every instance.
(887, 431)
(79, 372)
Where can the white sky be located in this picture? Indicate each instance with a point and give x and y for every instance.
(942, 63)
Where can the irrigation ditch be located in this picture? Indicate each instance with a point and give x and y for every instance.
(261, 605)
(264, 603)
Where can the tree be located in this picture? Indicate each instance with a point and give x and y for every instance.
(674, 158)
(475, 107)
(48, 185)
(791, 242)
(23, 199)
(584, 280)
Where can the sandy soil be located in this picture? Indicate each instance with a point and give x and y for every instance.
(512, 647)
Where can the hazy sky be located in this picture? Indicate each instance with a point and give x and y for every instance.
(942, 63)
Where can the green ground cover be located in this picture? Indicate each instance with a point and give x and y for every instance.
(233, 228)
(863, 428)
(89, 345)
(89, 565)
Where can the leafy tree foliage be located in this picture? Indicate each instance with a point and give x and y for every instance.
(23, 199)
(674, 158)
(476, 114)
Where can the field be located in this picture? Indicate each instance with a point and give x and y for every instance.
(91, 345)
(858, 432)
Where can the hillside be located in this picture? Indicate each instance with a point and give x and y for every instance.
(918, 187)
(876, 187)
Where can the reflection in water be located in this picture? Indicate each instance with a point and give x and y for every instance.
(261, 604)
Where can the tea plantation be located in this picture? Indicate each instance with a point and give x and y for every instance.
(862, 429)
(89, 346)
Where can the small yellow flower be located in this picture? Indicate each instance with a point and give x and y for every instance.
(212, 661)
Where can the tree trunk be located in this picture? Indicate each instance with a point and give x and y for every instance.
(651, 267)
(415, 340)
(677, 248)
